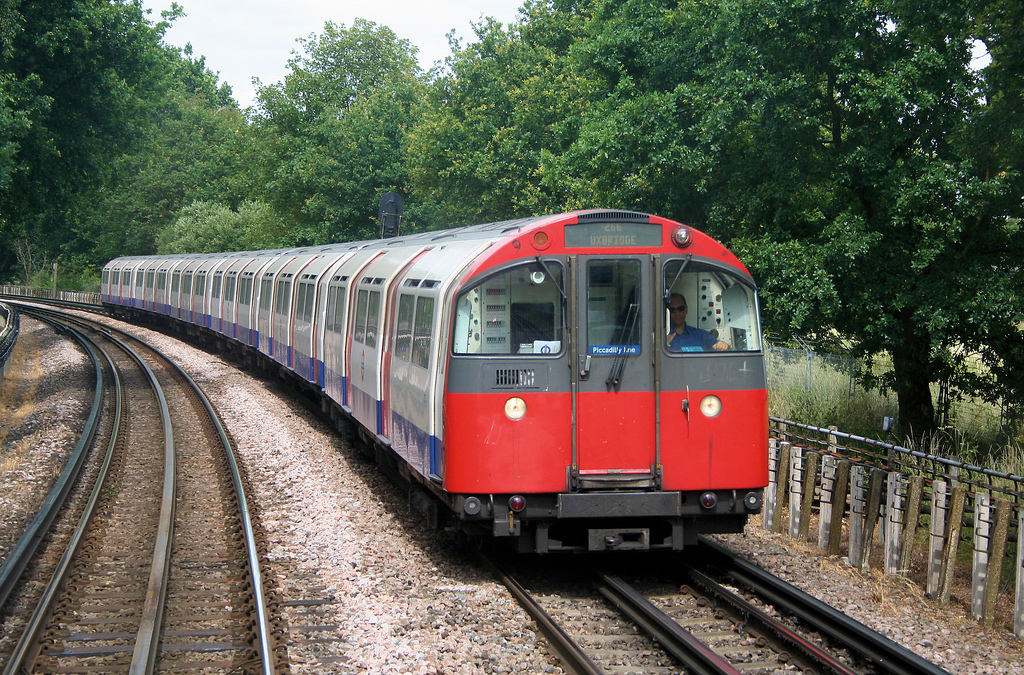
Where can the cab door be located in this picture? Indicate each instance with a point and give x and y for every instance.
(615, 443)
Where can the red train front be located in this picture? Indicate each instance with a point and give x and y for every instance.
(605, 387)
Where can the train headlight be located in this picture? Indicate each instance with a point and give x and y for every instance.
(515, 408)
(682, 236)
(711, 405)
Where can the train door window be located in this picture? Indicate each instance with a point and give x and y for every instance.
(720, 312)
(362, 301)
(518, 311)
(215, 291)
(245, 291)
(106, 277)
(266, 291)
(175, 282)
(613, 307)
(201, 284)
(229, 289)
(284, 296)
(403, 334)
(335, 310)
(186, 283)
(372, 319)
(307, 293)
(149, 279)
(139, 278)
(424, 325)
(161, 281)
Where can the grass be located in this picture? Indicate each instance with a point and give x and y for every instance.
(821, 391)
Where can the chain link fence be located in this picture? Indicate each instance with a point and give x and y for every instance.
(823, 388)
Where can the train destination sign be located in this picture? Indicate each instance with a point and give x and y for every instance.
(611, 235)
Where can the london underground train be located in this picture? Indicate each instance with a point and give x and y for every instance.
(586, 381)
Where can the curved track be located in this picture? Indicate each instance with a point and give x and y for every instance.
(163, 572)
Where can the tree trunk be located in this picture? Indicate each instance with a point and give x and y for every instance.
(912, 367)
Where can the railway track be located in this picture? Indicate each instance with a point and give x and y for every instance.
(709, 613)
(162, 570)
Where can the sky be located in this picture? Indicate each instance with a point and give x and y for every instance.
(242, 39)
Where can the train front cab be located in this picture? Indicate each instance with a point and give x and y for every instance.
(603, 437)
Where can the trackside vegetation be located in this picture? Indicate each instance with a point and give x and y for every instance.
(863, 158)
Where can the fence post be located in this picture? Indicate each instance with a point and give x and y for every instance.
(979, 566)
(810, 474)
(996, 554)
(894, 511)
(796, 492)
(771, 492)
(1018, 606)
(873, 507)
(951, 538)
(911, 517)
(937, 531)
(858, 504)
(782, 484)
(829, 470)
(839, 492)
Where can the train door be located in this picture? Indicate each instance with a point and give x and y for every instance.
(615, 444)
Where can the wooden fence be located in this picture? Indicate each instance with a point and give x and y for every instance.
(907, 514)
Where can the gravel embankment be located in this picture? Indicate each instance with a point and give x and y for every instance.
(406, 600)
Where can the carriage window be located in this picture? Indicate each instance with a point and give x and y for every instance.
(175, 282)
(519, 311)
(229, 289)
(424, 324)
(306, 297)
(284, 296)
(186, 284)
(215, 291)
(361, 302)
(161, 281)
(245, 291)
(149, 278)
(712, 310)
(371, 319)
(266, 291)
(138, 279)
(613, 307)
(335, 310)
(403, 335)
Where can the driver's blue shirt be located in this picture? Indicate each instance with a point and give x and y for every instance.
(692, 340)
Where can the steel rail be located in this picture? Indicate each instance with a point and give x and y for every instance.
(808, 656)
(36, 623)
(263, 628)
(890, 657)
(697, 657)
(18, 559)
(148, 636)
(574, 659)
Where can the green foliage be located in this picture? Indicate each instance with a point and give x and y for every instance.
(210, 227)
(502, 105)
(332, 133)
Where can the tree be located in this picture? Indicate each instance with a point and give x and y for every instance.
(332, 133)
(501, 106)
(209, 227)
(74, 80)
(844, 162)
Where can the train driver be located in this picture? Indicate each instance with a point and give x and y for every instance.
(685, 338)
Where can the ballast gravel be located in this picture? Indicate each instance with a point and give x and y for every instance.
(369, 588)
